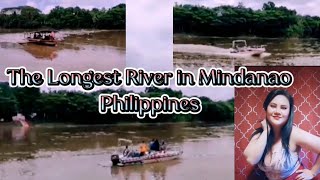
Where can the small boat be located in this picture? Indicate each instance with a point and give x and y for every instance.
(20, 119)
(44, 37)
(152, 157)
(240, 46)
(134, 158)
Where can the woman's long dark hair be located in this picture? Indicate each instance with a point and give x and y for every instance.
(285, 130)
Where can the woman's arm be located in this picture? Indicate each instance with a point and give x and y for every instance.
(256, 146)
(316, 168)
(310, 142)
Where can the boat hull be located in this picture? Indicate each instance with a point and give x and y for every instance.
(244, 49)
(117, 160)
(252, 52)
(43, 42)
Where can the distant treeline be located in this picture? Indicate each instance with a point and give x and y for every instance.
(82, 108)
(71, 18)
(270, 21)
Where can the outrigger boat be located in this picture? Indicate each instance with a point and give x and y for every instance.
(240, 46)
(44, 37)
(119, 159)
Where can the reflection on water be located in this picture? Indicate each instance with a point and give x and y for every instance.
(80, 50)
(86, 151)
(281, 52)
(156, 170)
(44, 52)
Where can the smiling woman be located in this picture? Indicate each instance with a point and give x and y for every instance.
(278, 134)
(276, 145)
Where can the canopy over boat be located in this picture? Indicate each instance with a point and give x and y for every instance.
(42, 37)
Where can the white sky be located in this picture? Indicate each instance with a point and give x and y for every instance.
(149, 34)
(46, 5)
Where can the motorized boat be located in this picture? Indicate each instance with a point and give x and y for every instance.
(21, 120)
(152, 157)
(134, 158)
(240, 46)
(44, 37)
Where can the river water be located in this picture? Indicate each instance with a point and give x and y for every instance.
(191, 52)
(100, 50)
(53, 151)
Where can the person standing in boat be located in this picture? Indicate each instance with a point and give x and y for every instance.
(156, 146)
(163, 146)
(52, 35)
(126, 151)
(143, 148)
(151, 144)
(20, 132)
(275, 147)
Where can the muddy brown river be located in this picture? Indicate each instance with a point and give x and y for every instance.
(192, 52)
(66, 152)
(80, 50)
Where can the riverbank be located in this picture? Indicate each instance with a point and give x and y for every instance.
(72, 17)
(82, 149)
(199, 51)
(101, 50)
(133, 124)
(269, 21)
(66, 30)
(76, 107)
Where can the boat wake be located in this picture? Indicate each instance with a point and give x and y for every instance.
(213, 51)
(10, 45)
(105, 164)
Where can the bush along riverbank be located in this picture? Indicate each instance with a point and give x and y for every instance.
(67, 18)
(270, 21)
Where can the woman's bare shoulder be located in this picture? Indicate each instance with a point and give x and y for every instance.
(297, 132)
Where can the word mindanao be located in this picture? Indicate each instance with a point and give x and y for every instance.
(138, 77)
(134, 104)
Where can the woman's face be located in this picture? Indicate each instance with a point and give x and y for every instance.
(278, 110)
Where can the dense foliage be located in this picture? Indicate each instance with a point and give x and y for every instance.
(72, 18)
(270, 21)
(78, 107)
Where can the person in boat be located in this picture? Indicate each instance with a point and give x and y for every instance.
(275, 146)
(47, 37)
(126, 151)
(37, 35)
(52, 36)
(162, 146)
(151, 144)
(156, 145)
(143, 148)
